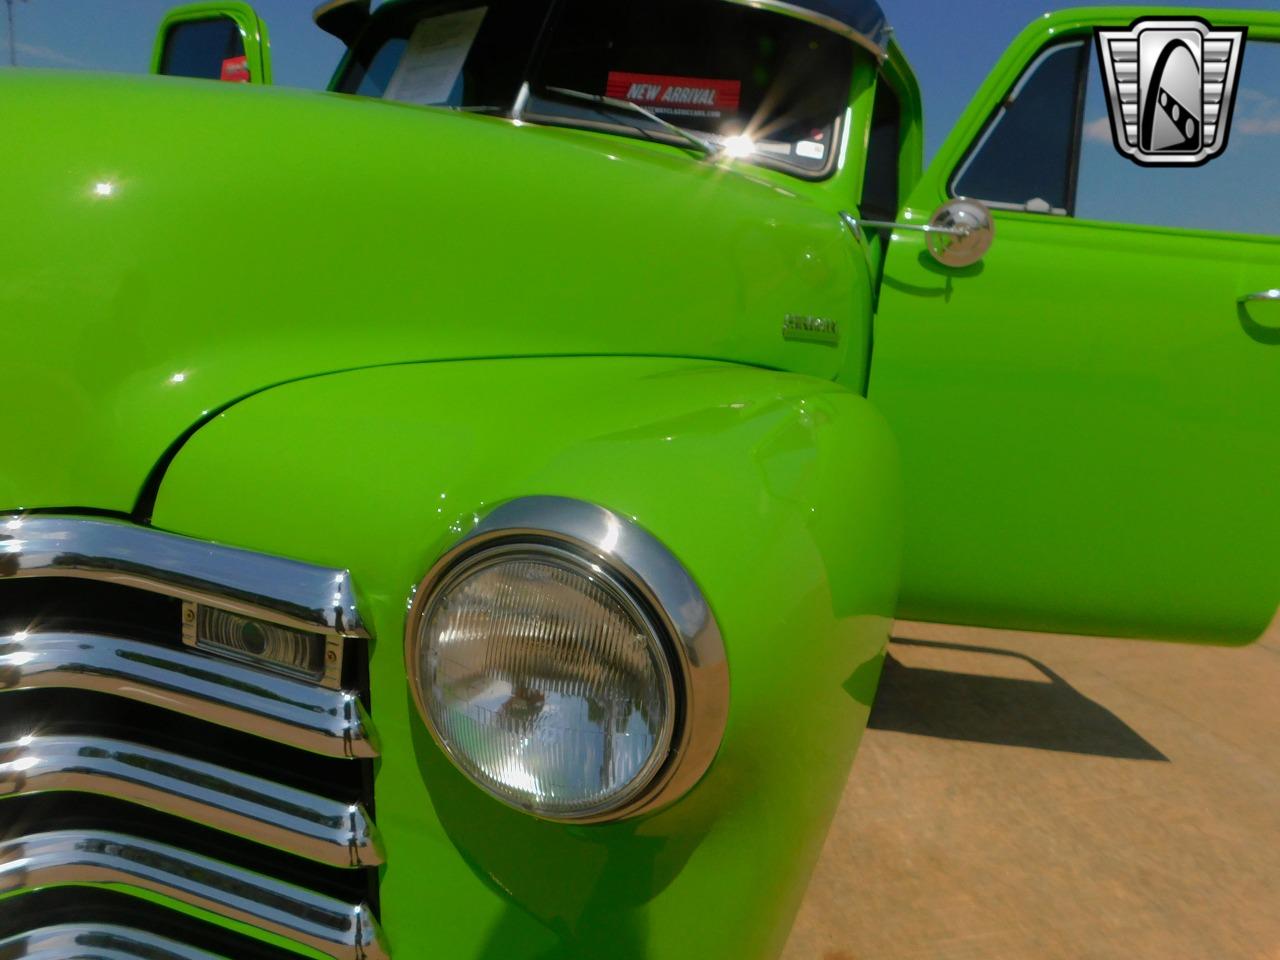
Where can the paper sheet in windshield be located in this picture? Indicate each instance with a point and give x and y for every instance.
(433, 59)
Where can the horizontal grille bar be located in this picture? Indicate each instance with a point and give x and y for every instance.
(85, 942)
(331, 722)
(142, 761)
(340, 930)
(301, 823)
(90, 910)
(288, 592)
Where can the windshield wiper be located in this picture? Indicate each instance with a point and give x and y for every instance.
(706, 147)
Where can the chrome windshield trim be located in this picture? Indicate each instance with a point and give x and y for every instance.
(287, 592)
(324, 9)
(81, 858)
(301, 823)
(330, 722)
(343, 19)
(872, 36)
(97, 942)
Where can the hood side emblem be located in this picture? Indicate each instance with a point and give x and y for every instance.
(811, 330)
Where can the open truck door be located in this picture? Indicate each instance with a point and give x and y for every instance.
(1090, 414)
(213, 41)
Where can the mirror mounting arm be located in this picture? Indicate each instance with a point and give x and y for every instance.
(959, 234)
(859, 224)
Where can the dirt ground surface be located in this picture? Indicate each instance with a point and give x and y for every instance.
(1021, 797)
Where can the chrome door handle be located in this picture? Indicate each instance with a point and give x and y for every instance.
(1260, 295)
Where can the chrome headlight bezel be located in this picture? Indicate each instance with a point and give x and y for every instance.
(653, 584)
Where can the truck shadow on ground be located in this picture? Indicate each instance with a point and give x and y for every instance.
(1041, 711)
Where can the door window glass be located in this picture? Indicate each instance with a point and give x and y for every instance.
(208, 49)
(880, 191)
(1024, 158)
(1236, 191)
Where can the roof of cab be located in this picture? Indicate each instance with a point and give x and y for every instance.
(862, 21)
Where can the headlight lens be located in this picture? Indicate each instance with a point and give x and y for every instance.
(545, 680)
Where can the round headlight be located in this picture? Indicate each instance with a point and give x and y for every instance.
(548, 668)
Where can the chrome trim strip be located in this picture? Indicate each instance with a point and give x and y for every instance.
(330, 722)
(279, 816)
(287, 592)
(876, 47)
(74, 858)
(1260, 296)
(97, 942)
(329, 6)
(344, 19)
(641, 563)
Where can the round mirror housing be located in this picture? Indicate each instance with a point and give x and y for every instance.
(961, 233)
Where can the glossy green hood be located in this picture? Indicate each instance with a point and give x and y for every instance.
(171, 246)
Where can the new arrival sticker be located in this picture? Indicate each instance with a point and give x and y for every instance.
(235, 70)
(684, 96)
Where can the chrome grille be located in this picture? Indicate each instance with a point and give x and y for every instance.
(130, 762)
(96, 943)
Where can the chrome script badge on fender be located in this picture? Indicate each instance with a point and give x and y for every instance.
(811, 330)
(1171, 87)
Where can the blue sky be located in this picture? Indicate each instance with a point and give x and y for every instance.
(952, 43)
(117, 35)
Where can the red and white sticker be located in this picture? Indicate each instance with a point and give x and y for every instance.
(683, 96)
(235, 70)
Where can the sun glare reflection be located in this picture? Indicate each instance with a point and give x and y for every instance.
(739, 147)
(612, 533)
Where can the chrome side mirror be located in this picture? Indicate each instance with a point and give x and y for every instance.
(962, 233)
(959, 235)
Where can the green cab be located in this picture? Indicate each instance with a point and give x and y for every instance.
(463, 512)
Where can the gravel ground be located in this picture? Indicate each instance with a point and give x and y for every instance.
(1026, 796)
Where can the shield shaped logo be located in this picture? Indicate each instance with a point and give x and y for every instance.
(1171, 87)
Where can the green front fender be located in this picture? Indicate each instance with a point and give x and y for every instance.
(778, 492)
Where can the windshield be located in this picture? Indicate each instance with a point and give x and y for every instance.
(765, 87)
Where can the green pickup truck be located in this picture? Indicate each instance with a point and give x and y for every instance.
(462, 513)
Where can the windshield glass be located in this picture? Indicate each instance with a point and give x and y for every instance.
(768, 88)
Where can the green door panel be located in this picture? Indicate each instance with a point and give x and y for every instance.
(1090, 425)
(778, 492)
(1087, 430)
(225, 240)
